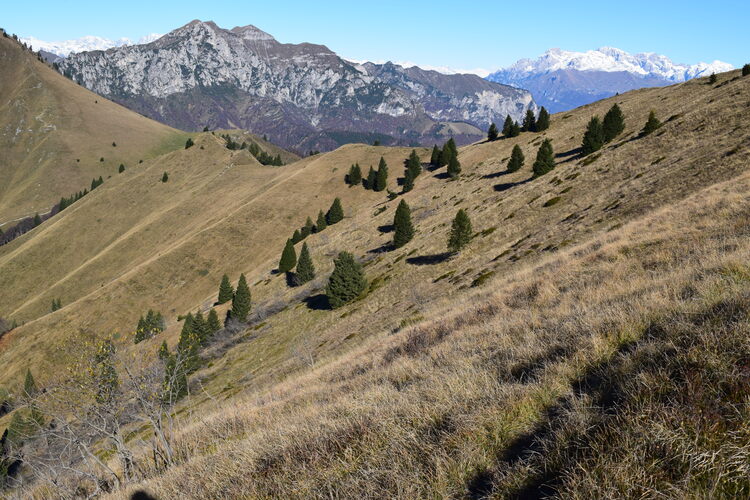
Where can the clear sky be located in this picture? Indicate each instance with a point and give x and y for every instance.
(467, 35)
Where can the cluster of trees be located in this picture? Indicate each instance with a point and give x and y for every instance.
(652, 123)
(599, 132)
(196, 333)
(377, 180)
(259, 154)
(447, 155)
(149, 326)
(95, 183)
(511, 128)
(334, 215)
(746, 70)
(305, 269)
(413, 166)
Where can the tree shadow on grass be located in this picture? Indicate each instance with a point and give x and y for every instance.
(507, 185)
(442, 175)
(386, 228)
(318, 302)
(495, 175)
(386, 247)
(427, 260)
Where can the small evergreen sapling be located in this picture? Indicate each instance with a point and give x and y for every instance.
(381, 179)
(212, 322)
(492, 133)
(529, 122)
(189, 143)
(335, 214)
(354, 177)
(652, 123)
(403, 227)
(371, 180)
(435, 156)
(593, 138)
(347, 282)
(454, 167)
(226, 292)
(165, 177)
(516, 159)
(305, 267)
(545, 159)
(288, 257)
(508, 126)
(542, 123)
(320, 223)
(613, 123)
(241, 301)
(461, 232)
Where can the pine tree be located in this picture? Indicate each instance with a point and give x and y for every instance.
(163, 351)
(104, 373)
(241, 301)
(121, 169)
(347, 282)
(515, 130)
(288, 257)
(545, 159)
(308, 228)
(454, 167)
(321, 223)
(449, 150)
(712, 79)
(403, 228)
(593, 138)
(200, 328)
(542, 123)
(516, 159)
(305, 267)
(492, 133)
(414, 164)
(746, 70)
(613, 123)
(189, 143)
(212, 322)
(37, 220)
(187, 329)
(335, 214)
(435, 156)
(297, 236)
(381, 180)
(408, 181)
(354, 177)
(529, 122)
(461, 232)
(29, 385)
(372, 178)
(165, 177)
(651, 124)
(226, 292)
(508, 126)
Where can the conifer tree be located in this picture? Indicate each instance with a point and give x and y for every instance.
(104, 373)
(307, 229)
(335, 214)
(354, 178)
(121, 169)
(651, 124)
(381, 180)
(746, 70)
(288, 257)
(241, 301)
(37, 220)
(529, 122)
(454, 167)
(321, 223)
(408, 181)
(212, 322)
(449, 150)
(516, 159)
(712, 79)
(545, 159)
(508, 126)
(29, 385)
(402, 225)
(164, 351)
(187, 327)
(542, 123)
(613, 123)
(189, 143)
(515, 130)
(347, 282)
(165, 177)
(226, 292)
(492, 133)
(296, 237)
(372, 178)
(305, 267)
(593, 138)
(435, 156)
(414, 164)
(200, 328)
(461, 232)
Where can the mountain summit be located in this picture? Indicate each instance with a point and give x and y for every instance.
(561, 79)
(303, 96)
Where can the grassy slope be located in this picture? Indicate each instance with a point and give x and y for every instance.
(241, 136)
(47, 123)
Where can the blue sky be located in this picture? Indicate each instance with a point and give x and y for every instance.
(467, 35)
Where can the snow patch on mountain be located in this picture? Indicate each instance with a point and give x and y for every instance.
(84, 44)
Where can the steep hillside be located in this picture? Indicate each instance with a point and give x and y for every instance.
(494, 372)
(54, 134)
(304, 97)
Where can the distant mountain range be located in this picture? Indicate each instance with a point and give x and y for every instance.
(84, 44)
(304, 97)
(562, 80)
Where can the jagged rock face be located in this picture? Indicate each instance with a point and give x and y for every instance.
(303, 96)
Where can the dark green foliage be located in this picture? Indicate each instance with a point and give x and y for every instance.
(542, 123)
(37, 220)
(226, 292)
(101, 159)
(545, 159)
(335, 214)
(189, 143)
(307, 229)
(414, 164)
(449, 150)
(371, 180)
(508, 126)
(320, 223)
(381, 179)
(56, 304)
(651, 124)
(454, 167)
(305, 267)
(121, 169)
(712, 79)
(165, 177)
(516, 159)
(241, 301)
(163, 351)
(288, 257)
(408, 181)
(403, 228)
(151, 325)
(461, 232)
(200, 328)
(347, 282)
(529, 122)
(354, 177)
(613, 123)
(104, 373)
(492, 132)
(593, 138)
(205, 129)
(746, 70)
(29, 385)
(114, 144)
(95, 183)
(376, 142)
(213, 324)
(435, 156)
(297, 236)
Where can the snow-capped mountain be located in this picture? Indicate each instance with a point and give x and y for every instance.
(561, 79)
(84, 44)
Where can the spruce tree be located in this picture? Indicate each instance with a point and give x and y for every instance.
(381, 180)
(305, 267)
(408, 181)
(288, 257)
(542, 123)
(187, 328)
(200, 328)
(296, 237)
(454, 167)
(545, 159)
(335, 214)
(613, 123)
(164, 351)
(226, 292)
(461, 232)
(189, 143)
(372, 178)
(492, 132)
(529, 122)
(508, 126)
(516, 159)
(320, 223)
(212, 322)
(414, 164)
(435, 156)
(593, 138)
(104, 373)
(165, 177)
(449, 150)
(403, 228)
(307, 229)
(515, 130)
(29, 385)
(347, 282)
(651, 124)
(746, 70)
(241, 301)
(37, 220)
(121, 169)
(355, 175)
(712, 79)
